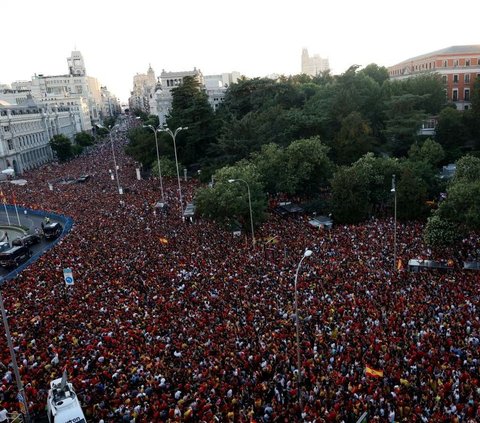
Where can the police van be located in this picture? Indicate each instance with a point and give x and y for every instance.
(15, 256)
(63, 405)
(52, 230)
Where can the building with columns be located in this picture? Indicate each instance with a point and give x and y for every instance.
(458, 67)
(26, 130)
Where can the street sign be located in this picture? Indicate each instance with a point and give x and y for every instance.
(68, 276)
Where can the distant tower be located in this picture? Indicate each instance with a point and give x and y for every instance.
(76, 65)
(313, 65)
(305, 60)
(151, 76)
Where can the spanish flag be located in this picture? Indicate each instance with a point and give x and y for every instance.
(369, 371)
(164, 240)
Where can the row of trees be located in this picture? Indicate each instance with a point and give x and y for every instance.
(66, 150)
(333, 141)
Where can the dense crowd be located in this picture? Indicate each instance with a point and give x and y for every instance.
(177, 321)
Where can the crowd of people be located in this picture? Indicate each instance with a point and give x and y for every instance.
(178, 321)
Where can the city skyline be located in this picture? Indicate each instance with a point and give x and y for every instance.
(254, 38)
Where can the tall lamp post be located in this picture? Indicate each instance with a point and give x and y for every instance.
(394, 190)
(21, 390)
(174, 136)
(249, 206)
(155, 130)
(306, 254)
(109, 129)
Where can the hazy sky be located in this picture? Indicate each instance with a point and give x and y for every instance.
(120, 38)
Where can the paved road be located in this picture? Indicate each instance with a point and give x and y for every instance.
(30, 221)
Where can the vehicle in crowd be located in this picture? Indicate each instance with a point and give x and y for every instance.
(15, 256)
(83, 178)
(63, 405)
(27, 240)
(52, 230)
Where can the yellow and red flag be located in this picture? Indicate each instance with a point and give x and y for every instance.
(164, 240)
(370, 371)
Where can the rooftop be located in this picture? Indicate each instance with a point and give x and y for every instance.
(453, 50)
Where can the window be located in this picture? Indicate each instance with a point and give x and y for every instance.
(466, 94)
(445, 63)
(455, 62)
(467, 62)
(455, 95)
(444, 79)
(467, 78)
(10, 145)
(455, 79)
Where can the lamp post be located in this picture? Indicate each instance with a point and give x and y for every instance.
(249, 206)
(155, 130)
(394, 190)
(20, 388)
(306, 254)
(174, 136)
(109, 129)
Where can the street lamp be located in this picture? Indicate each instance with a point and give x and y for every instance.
(109, 129)
(174, 136)
(306, 254)
(20, 388)
(249, 205)
(394, 190)
(155, 130)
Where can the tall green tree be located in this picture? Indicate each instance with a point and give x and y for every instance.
(226, 201)
(62, 146)
(190, 108)
(350, 195)
(353, 140)
(460, 211)
(428, 151)
(84, 139)
(451, 132)
(307, 166)
(405, 117)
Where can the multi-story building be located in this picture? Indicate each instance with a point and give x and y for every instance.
(110, 104)
(76, 90)
(313, 65)
(458, 66)
(215, 87)
(161, 100)
(26, 130)
(144, 85)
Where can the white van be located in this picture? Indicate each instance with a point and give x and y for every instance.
(62, 403)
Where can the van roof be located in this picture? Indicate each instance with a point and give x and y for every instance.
(12, 250)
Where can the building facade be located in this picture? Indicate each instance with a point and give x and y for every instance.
(26, 130)
(161, 99)
(458, 66)
(144, 85)
(215, 87)
(313, 65)
(76, 90)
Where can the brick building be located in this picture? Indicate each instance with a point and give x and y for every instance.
(458, 66)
